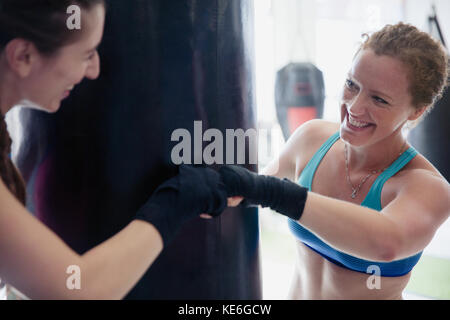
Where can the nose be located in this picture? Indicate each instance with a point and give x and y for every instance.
(357, 106)
(93, 69)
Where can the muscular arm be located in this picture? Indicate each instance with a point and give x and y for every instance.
(34, 260)
(403, 228)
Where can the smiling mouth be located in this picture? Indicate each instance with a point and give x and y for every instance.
(357, 125)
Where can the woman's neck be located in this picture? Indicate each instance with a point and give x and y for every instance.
(8, 88)
(378, 156)
(3, 108)
(7, 100)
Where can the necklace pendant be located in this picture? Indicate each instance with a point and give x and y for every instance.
(354, 194)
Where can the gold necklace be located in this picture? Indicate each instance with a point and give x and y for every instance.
(356, 190)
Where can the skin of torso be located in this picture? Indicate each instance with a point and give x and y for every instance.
(317, 278)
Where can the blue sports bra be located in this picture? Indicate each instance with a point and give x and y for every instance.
(387, 269)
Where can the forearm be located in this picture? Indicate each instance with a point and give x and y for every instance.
(111, 269)
(114, 267)
(35, 260)
(350, 228)
(37, 264)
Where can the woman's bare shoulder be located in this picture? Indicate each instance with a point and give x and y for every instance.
(418, 168)
(315, 131)
(308, 138)
(419, 177)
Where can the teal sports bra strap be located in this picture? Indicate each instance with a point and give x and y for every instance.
(307, 175)
(373, 198)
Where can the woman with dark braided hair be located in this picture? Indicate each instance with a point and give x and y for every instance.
(41, 61)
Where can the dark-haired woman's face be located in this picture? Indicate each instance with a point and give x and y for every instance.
(53, 78)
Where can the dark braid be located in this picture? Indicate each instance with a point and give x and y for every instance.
(8, 171)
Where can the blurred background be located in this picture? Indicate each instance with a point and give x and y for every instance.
(318, 38)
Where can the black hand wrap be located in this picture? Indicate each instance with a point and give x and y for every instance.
(192, 192)
(283, 196)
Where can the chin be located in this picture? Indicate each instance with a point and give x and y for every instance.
(52, 107)
(53, 110)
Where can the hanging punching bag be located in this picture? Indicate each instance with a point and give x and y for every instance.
(90, 166)
(430, 137)
(299, 95)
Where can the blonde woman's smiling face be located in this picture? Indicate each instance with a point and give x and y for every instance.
(375, 99)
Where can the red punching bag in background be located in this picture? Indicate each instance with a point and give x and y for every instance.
(299, 95)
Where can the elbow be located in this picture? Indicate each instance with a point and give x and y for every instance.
(388, 249)
(387, 254)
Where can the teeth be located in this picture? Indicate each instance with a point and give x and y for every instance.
(356, 123)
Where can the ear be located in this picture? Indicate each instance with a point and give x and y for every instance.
(417, 113)
(21, 55)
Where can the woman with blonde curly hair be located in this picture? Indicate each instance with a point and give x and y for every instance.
(364, 203)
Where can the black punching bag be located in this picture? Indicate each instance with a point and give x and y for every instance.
(90, 166)
(299, 95)
(430, 137)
